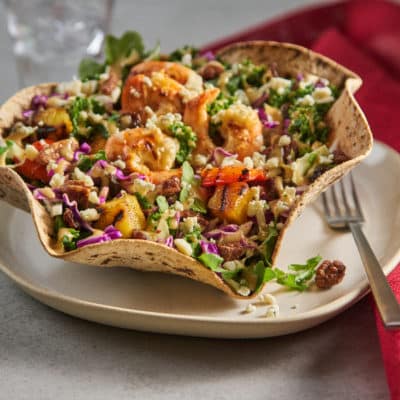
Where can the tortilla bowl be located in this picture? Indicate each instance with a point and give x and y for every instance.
(349, 132)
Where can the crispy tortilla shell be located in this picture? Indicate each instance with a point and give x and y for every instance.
(350, 132)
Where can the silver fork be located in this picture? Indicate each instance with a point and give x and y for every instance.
(343, 212)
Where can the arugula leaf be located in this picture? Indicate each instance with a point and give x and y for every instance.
(97, 107)
(198, 206)
(69, 241)
(118, 49)
(187, 140)
(143, 201)
(162, 203)
(79, 104)
(90, 69)
(87, 162)
(186, 180)
(269, 244)
(212, 261)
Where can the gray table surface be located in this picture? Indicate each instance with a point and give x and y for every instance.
(45, 354)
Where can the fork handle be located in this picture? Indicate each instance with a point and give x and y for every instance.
(388, 306)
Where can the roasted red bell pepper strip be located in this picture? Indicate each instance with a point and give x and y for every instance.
(231, 174)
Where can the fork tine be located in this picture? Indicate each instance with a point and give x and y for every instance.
(355, 197)
(335, 201)
(326, 207)
(345, 202)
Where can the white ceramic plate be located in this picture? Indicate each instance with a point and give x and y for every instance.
(168, 304)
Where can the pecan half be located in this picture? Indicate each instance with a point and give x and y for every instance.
(329, 273)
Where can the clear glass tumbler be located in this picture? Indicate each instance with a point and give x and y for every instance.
(50, 37)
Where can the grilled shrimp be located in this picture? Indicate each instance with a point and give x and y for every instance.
(162, 86)
(241, 130)
(197, 118)
(143, 149)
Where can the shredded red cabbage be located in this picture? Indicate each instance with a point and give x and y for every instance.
(209, 55)
(299, 77)
(169, 241)
(209, 247)
(257, 103)
(27, 113)
(40, 100)
(73, 206)
(110, 233)
(265, 119)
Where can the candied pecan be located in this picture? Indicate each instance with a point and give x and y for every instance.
(68, 218)
(76, 190)
(211, 70)
(171, 186)
(231, 251)
(269, 191)
(339, 156)
(106, 87)
(329, 273)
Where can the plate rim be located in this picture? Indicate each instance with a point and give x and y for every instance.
(327, 310)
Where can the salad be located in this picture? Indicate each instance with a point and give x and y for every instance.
(202, 156)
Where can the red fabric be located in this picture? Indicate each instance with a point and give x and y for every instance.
(363, 35)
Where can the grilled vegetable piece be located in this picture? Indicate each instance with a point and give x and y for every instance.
(231, 174)
(34, 169)
(56, 118)
(124, 213)
(230, 202)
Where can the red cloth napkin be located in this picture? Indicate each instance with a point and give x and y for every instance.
(363, 35)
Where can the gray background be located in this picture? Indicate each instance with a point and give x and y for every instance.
(47, 355)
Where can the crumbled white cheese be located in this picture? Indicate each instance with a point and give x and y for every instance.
(89, 87)
(90, 214)
(66, 151)
(183, 246)
(142, 187)
(322, 95)
(233, 265)
(284, 140)
(57, 180)
(189, 224)
(244, 291)
(307, 100)
(178, 206)
(272, 311)
(120, 164)
(248, 163)
(200, 160)
(56, 209)
(278, 84)
(255, 207)
(116, 92)
(250, 309)
(272, 162)
(231, 160)
(267, 298)
(242, 97)
(94, 198)
(31, 152)
(73, 88)
(289, 195)
(187, 59)
(255, 191)
(81, 176)
(258, 159)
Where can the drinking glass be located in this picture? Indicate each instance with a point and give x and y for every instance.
(50, 37)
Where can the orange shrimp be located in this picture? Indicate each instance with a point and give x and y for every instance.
(161, 93)
(143, 149)
(197, 118)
